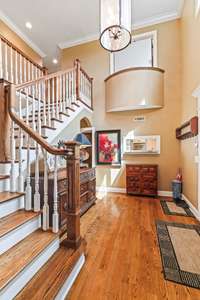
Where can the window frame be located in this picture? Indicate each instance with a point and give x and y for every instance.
(137, 37)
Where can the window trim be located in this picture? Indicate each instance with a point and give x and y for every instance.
(142, 36)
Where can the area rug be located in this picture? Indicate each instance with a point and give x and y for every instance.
(171, 208)
(180, 252)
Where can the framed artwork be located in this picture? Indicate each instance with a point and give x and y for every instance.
(108, 147)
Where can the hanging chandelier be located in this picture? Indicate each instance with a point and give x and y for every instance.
(115, 24)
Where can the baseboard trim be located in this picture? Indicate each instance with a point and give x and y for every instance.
(70, 280)
(193, 209)
(104, 189)
(165, 193)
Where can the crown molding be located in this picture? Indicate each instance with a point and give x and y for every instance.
(156, 20)
(72, 43)
(181, 7)
(24, 37)
(138, 25)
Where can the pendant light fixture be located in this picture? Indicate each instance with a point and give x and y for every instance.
(115, 24)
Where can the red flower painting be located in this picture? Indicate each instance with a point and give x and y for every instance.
(108, 151)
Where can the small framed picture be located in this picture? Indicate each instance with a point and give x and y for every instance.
(108, 147)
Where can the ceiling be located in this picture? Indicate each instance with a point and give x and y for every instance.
(65, 23)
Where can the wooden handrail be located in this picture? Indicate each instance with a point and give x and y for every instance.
(86, 75)
(11, 94)
(45, 77)
(135, 69)
(22, 53)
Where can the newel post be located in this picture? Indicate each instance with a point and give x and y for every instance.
(5, 124)
(77, 65)
(73, 239)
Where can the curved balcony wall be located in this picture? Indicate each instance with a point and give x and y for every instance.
(135, 88)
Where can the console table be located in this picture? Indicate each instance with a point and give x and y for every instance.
(87, 192)
(141, 179)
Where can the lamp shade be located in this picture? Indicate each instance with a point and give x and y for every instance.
(82, 139)
(115, 24)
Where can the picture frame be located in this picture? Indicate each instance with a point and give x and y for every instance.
(108, 147)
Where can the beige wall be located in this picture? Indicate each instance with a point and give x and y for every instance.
(162, 122)
(19, 43)
(190, 37)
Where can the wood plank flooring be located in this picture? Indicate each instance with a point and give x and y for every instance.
(18, 257)
(51, 277)
(6, 196)
(123, 260)
(15, 220)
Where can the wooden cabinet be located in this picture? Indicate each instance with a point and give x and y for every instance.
(141, 179)
(87, 192)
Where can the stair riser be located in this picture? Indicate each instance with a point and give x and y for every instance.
(11, 206)
(4, 185)
(15, 286)
(12, 238)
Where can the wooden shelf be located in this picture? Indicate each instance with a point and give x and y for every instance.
(192, 125)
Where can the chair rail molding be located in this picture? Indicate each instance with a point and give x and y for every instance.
(196, 94)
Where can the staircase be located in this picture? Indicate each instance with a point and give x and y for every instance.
(35, 262)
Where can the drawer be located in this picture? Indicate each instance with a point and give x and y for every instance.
(149, 170)
(133, 184)
(134, 177)
(149, 178)
(133, 169)
(62, 185)
(83, 188)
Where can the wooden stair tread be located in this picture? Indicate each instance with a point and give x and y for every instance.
(6, 196)
(14, 220)
(13, 261)
(58, 268)
(2, 177)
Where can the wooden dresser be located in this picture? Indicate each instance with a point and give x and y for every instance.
(141, 179)
(87, 192)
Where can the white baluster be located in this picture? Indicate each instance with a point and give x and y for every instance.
(29, 71)
(49, 103)
(62, 80)
(67, 90)
(57, 95)
(44, 103)
(1, 60)
(61, 106)
(12, 150)
(33, 111)
(39, 108)
(28, 190)
(73, 99)
(46, 205)
(16, 68)
(11, 65)
(6, 61)
(20, 178)
(20, 68)
(25, 70)
(27, 105)
(53, 99)
(55, 198)
(37, 192)
(70, 91)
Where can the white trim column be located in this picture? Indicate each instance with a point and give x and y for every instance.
(196, 94)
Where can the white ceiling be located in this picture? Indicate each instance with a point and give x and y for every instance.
(64, 23)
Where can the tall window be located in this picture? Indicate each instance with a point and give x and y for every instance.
(141, 53)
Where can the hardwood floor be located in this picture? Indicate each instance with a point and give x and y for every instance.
(123, 260)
